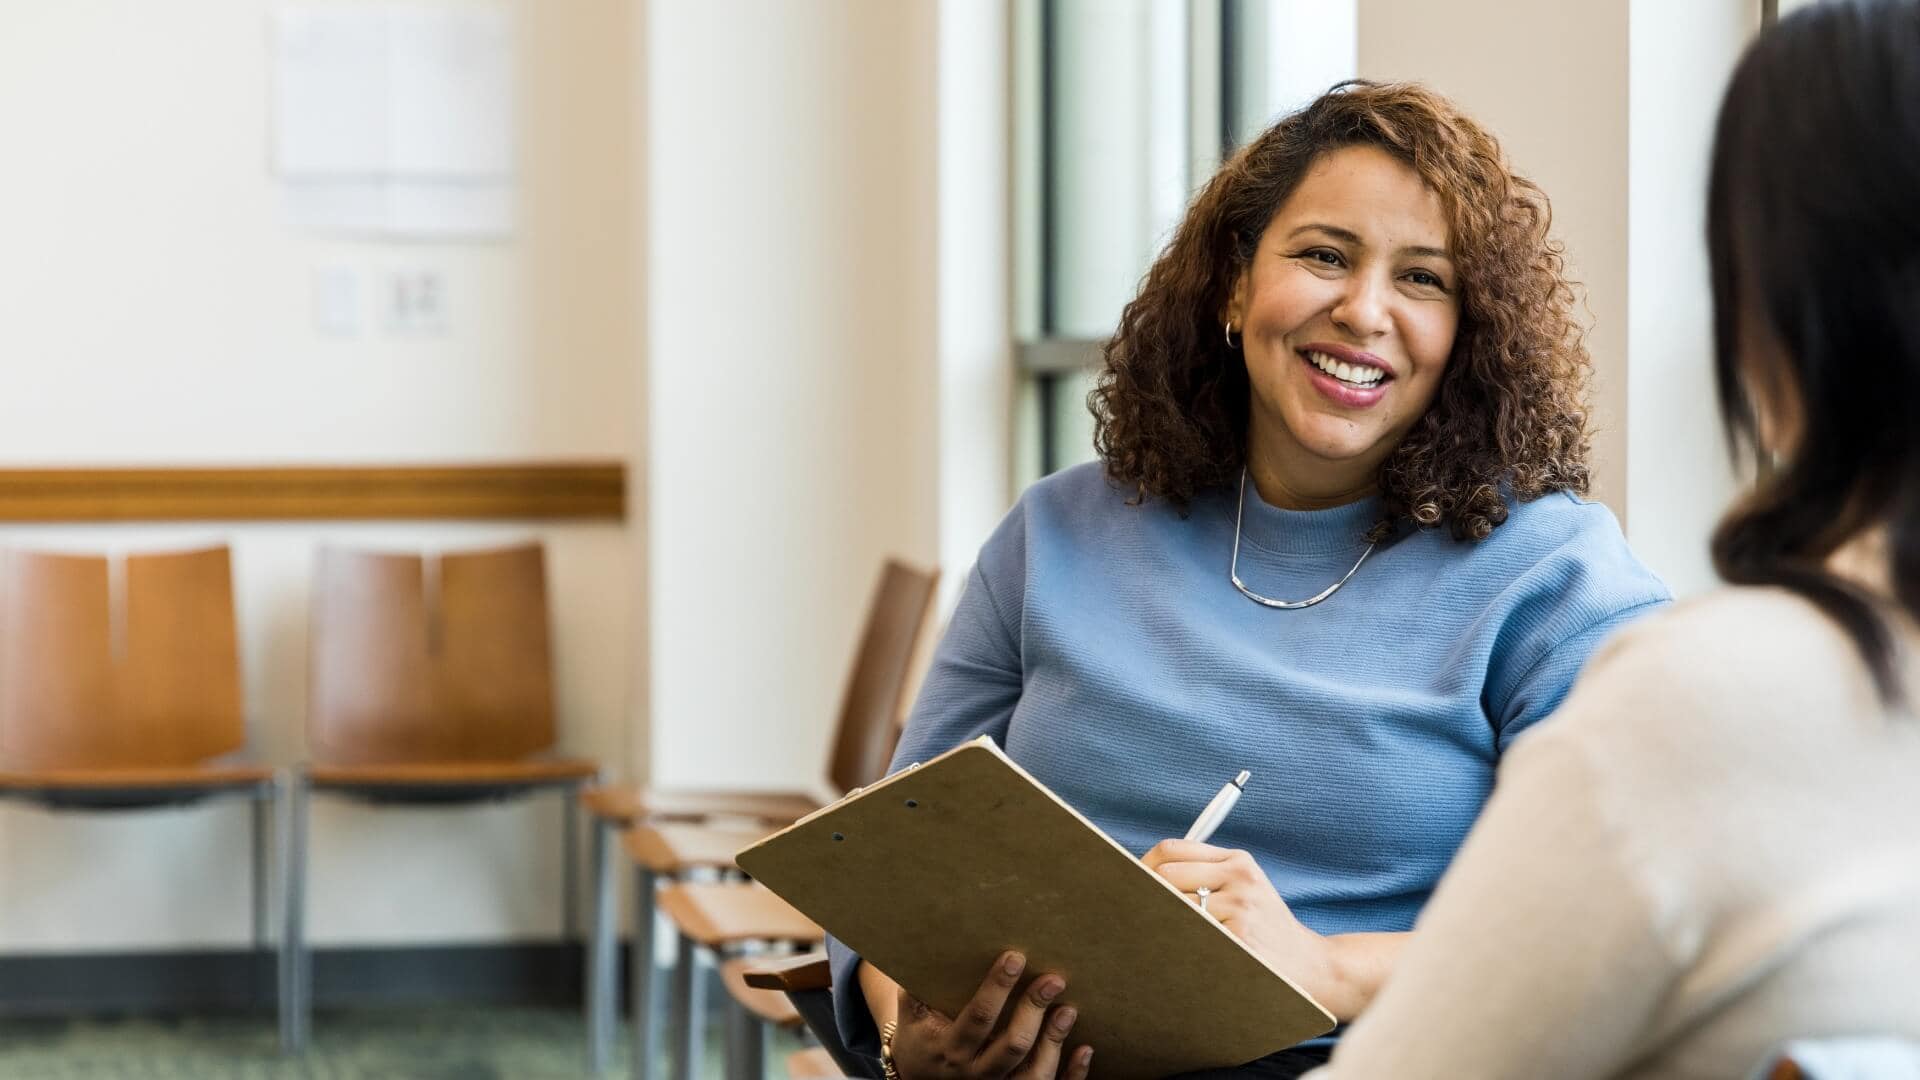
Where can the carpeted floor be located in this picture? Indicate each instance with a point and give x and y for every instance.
(448, 1043)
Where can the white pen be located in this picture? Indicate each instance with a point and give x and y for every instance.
(1216, 811)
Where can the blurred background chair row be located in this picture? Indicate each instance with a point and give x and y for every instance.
(430, 683)
(681, 846)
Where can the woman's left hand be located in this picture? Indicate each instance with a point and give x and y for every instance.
(1241, 899)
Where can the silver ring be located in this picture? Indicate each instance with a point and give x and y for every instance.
(1203, 892)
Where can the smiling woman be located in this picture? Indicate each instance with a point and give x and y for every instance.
(1334, 541)
(1355, 261)
(1400, 222)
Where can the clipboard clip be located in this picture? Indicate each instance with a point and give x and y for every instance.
(856, 791)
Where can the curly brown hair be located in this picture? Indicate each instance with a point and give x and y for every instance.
(1171, 403)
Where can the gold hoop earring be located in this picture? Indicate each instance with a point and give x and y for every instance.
(1228, 328)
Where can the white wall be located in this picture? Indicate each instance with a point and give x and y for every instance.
(1679, 477)
(976, 314)
(147, 263)
(155, 309)
(792, 431)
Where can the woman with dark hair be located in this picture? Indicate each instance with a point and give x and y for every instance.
(1334, 540)
(1714, 847)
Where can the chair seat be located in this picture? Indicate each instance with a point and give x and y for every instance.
(627, 804)
(451, 773)
(717, 914)
(670, 848)
(770, 1006)
(791, 974)
(185, 777)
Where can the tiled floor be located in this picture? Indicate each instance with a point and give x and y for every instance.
(448, 1043)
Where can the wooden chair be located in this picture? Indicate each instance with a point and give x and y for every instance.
(737, 922)
(730, 919)
(868, 726)
(668, 851)
(426, 695)
(156, 721)
(807, 982)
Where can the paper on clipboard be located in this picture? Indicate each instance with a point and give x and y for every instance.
(933, 872)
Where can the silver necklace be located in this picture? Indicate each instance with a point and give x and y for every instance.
(1233, 570)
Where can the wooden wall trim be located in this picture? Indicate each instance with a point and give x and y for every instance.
(592, 490)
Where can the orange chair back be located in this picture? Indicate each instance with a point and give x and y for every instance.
(405, 669)
(870, 710)
(166, 693)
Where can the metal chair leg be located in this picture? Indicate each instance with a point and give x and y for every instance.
(746, 1044)
(732, 1057)
(297, 916)
(646, 1002)
(570, 863)
(290, 810)
(689, 1036)
(602, 990)
(262, 807)
(754, 1048)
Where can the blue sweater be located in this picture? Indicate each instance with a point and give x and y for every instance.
(1104, 647)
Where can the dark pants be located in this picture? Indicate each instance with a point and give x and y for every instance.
(1296, 1061)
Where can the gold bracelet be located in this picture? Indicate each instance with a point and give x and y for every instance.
(886, 1050)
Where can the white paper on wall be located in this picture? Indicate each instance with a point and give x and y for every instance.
(451, 90)
(395, 119)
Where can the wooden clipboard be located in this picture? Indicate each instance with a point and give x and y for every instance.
(933, 872)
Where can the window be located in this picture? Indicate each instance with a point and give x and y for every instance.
(1122, 108)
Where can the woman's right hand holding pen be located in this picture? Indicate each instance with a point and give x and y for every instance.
(929, 1045)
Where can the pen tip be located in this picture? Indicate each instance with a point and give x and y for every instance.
(1241, 780)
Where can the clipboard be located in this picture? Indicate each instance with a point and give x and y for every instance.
(935, 871)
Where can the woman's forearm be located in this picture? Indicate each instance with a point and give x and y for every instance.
(1357, 966)
(882, 994)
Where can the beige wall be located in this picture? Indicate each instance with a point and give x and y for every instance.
(154, 309)
(1549, 79)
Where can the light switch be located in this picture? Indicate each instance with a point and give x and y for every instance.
(336, 301)
(416, 303)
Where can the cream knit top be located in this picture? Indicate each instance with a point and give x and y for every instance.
(1714, 846)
